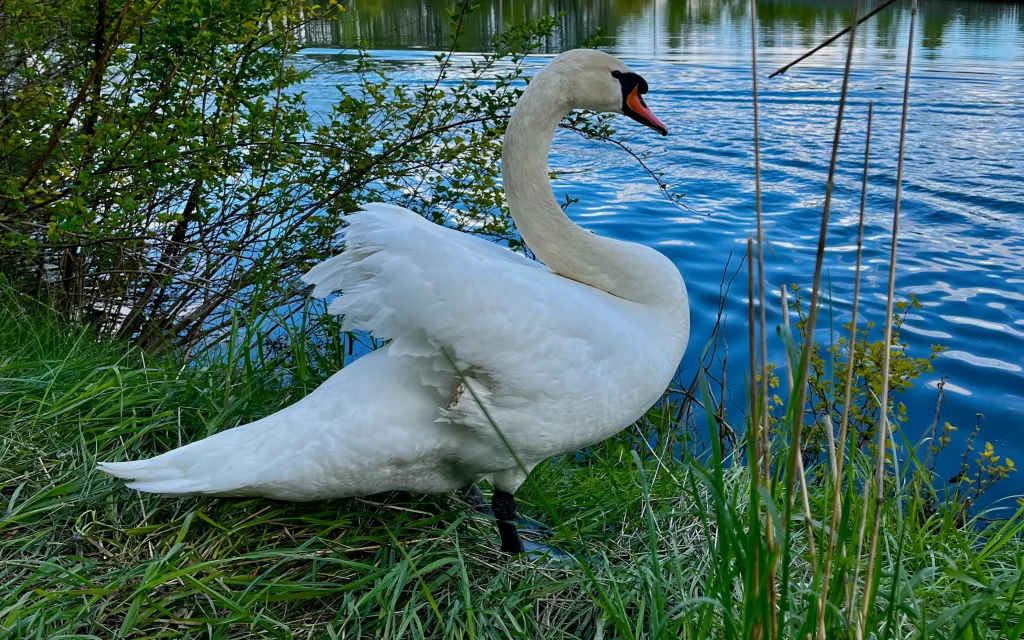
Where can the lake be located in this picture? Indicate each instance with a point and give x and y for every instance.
(961, 246)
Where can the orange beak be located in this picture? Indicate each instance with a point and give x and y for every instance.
(642, 114)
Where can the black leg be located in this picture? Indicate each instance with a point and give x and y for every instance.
(504, 505)
(474, 497)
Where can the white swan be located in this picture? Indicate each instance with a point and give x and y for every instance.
(558, 355)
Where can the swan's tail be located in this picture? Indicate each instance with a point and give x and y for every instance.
(198, 468)
(152, 476)
(342, 439)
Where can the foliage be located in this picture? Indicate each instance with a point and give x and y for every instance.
(976, 476)
(828, 378)
(140, 140)
(159, 169)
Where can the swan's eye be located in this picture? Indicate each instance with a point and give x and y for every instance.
(616, 73)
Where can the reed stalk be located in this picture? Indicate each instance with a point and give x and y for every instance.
(784, 296)
(812, 314)
(883, 421)
(795, 467)
(763, 371)
(848, 387)
(783, 69)
(754, 440)
(761, 464)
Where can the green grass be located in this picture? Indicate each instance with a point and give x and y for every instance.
(665, 548)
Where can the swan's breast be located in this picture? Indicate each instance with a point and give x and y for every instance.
(593, 386)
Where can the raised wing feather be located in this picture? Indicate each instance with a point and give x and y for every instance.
(519, 330)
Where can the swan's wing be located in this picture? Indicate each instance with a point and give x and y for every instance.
(380, 219)
(516, 329)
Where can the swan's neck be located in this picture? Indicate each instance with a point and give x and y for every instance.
(623, 269)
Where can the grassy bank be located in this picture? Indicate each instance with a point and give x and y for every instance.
(663, 548)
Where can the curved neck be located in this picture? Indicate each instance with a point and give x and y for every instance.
(624, 269)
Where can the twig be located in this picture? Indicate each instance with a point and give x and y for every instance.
(824, 44)
(724, 288)
(636, 156)
(463, 8)
(933, 449)
(883, 403)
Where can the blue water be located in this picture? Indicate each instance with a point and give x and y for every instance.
(961, 246)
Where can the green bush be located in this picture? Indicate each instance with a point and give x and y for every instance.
(159, 167)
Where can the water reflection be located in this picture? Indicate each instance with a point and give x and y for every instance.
(656, 25)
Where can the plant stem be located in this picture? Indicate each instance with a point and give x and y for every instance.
(760, 392)
(754, 439)
(796, 413)
(848, 388)
(884, 401)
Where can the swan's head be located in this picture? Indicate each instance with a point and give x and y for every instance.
(597, 81)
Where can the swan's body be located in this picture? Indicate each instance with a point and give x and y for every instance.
(558, 356)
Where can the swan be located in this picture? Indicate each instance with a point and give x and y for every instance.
(495, 361)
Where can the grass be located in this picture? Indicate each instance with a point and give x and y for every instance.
(664, 547)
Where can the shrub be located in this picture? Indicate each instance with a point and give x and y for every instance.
(158, 167)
